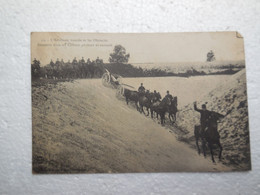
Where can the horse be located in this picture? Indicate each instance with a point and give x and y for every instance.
(131, 96)
(160, 107)
(145, 101)
(210, 136)
(155, 100)
(172, 110)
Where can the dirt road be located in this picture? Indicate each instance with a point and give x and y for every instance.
(83, 127)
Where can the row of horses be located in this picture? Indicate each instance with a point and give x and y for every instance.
(150, 101)
(167, 105)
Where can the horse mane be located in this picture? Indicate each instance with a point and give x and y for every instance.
(164, 99)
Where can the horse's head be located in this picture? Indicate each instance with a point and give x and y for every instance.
(174, 102)
(154, 98)
(166, 101)
(214, 117)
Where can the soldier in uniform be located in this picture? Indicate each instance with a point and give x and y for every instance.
(157, 95)
(168, 95)
(82, 60)
(204, 116)
(74, 61)
(141, 89)
(147, 93)
(88, 61)
(97, 60)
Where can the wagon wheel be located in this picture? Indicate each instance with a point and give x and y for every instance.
(119, 79)
(120, 92)
(106, 79)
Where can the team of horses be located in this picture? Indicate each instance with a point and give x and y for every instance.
(150, 101)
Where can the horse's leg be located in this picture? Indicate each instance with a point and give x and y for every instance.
(142, 110)
(171, 117)
(197, 138)
(220, 150)
(147, 111)
(203, 146)
(136, 106)
(151, 113)
(211, 151)
(197, 143)
(126, 99)
(162, 115)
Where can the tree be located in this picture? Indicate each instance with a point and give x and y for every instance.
(35, 68)
(119, 55)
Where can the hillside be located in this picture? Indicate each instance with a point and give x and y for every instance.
(228, 98)
(81, 126)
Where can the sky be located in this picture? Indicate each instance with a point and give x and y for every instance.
(142, 47)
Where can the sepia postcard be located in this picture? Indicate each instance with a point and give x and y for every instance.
(139, 102)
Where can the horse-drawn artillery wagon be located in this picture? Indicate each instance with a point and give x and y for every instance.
(142, 100)
(116, 81)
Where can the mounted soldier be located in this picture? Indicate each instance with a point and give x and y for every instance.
(82, 60)
(168, 95)
(141, 90)
(207, 131)
(147, 93)
(74, 61)
(62, 62)
(88, 61)
(157, 96)
(204, 116)
(98, 61)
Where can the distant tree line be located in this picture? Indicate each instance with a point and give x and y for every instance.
(95, 68)
(229, 66)
(36, 69)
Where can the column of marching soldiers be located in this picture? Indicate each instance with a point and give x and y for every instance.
(75, 69)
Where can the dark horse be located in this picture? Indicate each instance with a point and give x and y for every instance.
(172, 110)
(210, 136)
(131, 96)
(145, 100)
(160, 107)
